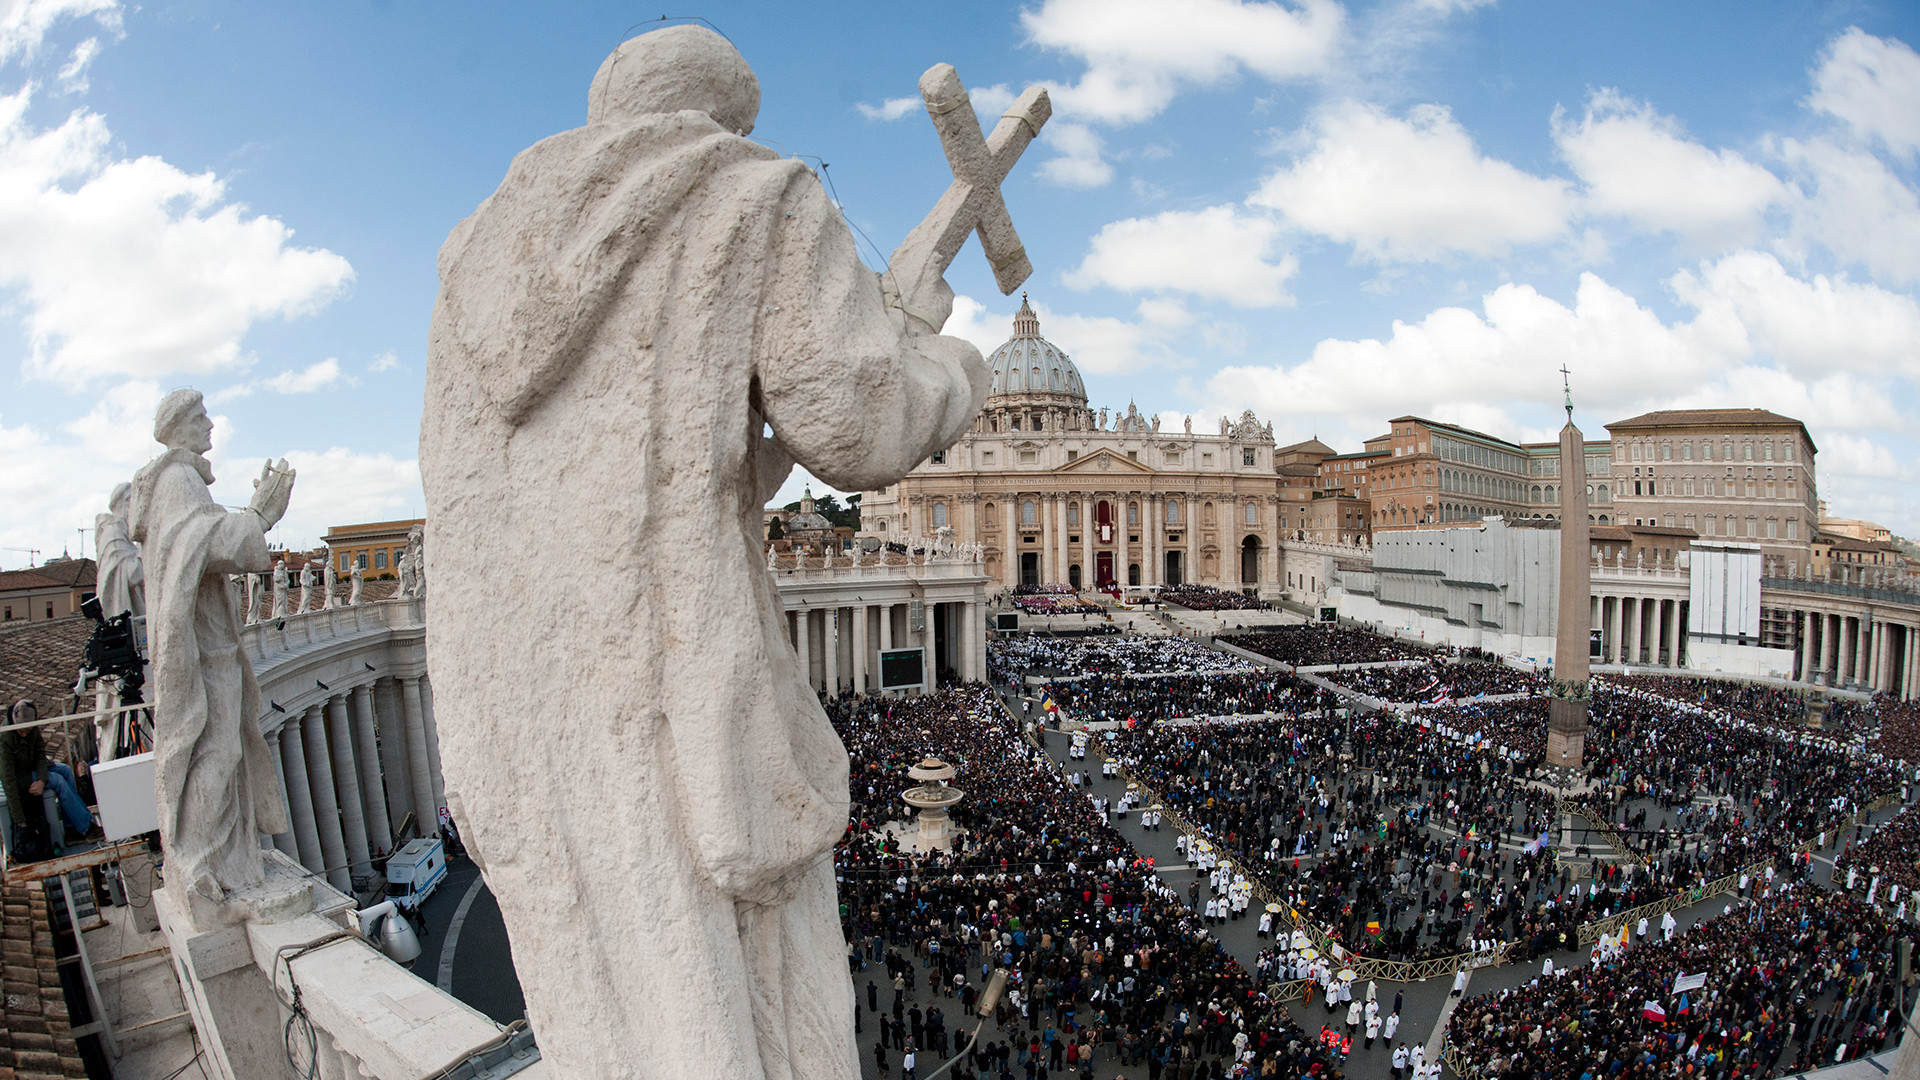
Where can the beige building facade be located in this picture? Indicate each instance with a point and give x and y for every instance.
(1727, 474)
(1057, 492)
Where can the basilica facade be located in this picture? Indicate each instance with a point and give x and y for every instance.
(1056, 492)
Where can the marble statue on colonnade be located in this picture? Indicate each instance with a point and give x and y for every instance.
(654, 281)
(416, 556)
(214, 777)
(119, 582)
(358, 581)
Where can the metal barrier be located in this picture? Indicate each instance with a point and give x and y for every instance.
(1599, 928)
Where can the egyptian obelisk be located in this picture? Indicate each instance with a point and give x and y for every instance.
(1567, 705)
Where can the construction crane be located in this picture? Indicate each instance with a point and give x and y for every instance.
(33, 555)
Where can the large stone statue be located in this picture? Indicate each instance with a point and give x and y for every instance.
(616, 326)
(120, 582)
(357, 581)
(213, 775)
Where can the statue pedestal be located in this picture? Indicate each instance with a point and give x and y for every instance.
(229, 995)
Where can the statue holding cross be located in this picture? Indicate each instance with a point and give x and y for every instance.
(619, 326)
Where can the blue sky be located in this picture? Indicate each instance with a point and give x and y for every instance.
(1329, 213)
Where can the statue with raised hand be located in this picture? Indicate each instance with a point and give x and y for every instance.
(214, 777)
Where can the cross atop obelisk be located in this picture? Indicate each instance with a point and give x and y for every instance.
(914, 282)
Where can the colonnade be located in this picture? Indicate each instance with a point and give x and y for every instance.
(839, 647)
(1641, 630)
(1857, 651)
(352, 767)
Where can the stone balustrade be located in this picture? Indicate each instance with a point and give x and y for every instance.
(370, 1017)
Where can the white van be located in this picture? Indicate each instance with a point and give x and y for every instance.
(414, 871)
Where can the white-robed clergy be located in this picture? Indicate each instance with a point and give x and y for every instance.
(635, 756)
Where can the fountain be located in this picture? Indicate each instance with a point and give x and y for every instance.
(932, 798)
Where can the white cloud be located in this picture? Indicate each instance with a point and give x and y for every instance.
(321, 375)
(133, 267)
(336, 486)
(73, 76)
(1218, 253)
(316, 377)
(386, 361)
(1619, 352)
(1078, 163)
(1638, 165)
(890, 109)
(24, 23)
(1873, 86)
(1139, 53)
(1856, 208)
(1449, 7)
(1411, 190)
(1810, 327)
(990, 101)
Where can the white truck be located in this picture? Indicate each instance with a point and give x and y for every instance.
(414, 871)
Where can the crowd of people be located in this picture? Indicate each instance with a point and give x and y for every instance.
(1208, 598)
(1133, 654)
(1123, 698)
(1438, 680)
(1802, 971)
(1315, 645)
(1887, 863)
(1105, 961)
(1056, 605)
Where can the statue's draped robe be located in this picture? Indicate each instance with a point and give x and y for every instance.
(213, 774)
(118, 582)
(627, 740)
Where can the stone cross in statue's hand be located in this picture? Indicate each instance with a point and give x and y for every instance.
(915, 276)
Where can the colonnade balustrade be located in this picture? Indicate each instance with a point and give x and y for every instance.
(348, 715)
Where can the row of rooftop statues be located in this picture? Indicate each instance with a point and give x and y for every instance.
(652, 279)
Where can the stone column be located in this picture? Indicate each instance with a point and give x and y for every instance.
(1799, 645)
(977, 626)
(928, 674)
(1190, 529)
(1910, 679)
(1633, 618)
(830, 634)
(860, 649)
(284, 841)
(1849, 643)
(366, 752)
(803, 643)
(426, 812)
(390, 720)
(293, 767)
(1150, 539)
(1121, 530)
(1880, 668)
(1616, 626)
(1670, 622)
(1060, 530)
(886, 626)
(1045, 512)
(433, 747)
(326, 809)
(346, 778)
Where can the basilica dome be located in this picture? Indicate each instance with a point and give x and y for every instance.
(1030, 364)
